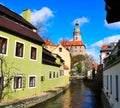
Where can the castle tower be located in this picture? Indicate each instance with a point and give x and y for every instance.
(77, 33)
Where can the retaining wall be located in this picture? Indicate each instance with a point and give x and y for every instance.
(26, 103)
(104, 101)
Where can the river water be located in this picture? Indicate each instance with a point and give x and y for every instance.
(77, 96)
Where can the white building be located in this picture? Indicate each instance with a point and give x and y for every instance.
(111, 77)
(106, 50)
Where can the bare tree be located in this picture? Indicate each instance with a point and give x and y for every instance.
(42, 31)
(85, 60)
(6, 75)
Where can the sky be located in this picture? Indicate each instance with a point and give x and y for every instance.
(58, 17)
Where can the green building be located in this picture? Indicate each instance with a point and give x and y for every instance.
(27, 69)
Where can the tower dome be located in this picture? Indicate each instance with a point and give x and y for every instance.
(76, 33)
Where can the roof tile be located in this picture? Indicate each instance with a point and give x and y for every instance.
(13, 27)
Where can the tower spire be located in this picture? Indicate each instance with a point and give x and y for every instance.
(77, 33)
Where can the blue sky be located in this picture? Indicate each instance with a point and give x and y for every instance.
(58, 17)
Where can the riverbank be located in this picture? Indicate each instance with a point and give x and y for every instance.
(29, 102)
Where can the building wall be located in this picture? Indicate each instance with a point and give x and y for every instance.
(23, 66)
(110, 85)
(64, 54)
(49, 47)
(76, 50)
(26, 67)
(57, 81)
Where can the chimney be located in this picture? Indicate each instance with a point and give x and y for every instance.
(27, 14)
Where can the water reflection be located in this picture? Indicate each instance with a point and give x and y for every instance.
(77, 96)
(89, 101)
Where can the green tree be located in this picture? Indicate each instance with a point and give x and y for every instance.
(85, 60)
(79, 67)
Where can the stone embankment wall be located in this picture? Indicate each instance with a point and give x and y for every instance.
(104, 101)
(26, 103)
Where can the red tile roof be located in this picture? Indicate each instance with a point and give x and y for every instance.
(66, 67)
(48, 42)
(74, 43)
(14, 16)
(103, 47)
(14, 28)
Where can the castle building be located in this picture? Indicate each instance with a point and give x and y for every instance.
(76, 46)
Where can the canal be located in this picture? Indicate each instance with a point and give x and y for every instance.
(77, 96)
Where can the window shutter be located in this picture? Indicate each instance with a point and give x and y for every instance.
(24, 82)
(1, 44)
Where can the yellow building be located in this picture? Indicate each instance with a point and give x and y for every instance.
(65, 55)
(49, 45)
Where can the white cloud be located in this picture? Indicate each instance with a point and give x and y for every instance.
(106, 40)
(94, 48)
(81, 21)
(41, 16)
(115, 25)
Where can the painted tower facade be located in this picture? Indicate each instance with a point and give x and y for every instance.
(77, 33)
(76, 46)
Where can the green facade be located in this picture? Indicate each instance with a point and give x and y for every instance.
(26, 67)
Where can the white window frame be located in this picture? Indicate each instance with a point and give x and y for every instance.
(54, 74)
(15, 49)
(7, 45)
(13, 83)
(29, 80)
(36, 53)
(61, 73)
(49, 75)
(57, 74)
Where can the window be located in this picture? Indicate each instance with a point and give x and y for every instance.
(50, 75)
(57, 75)
(60, 49)
(53, 74)
(61, 73)
(17, 82)
(33, 53)
(32, 81)
(107, 82)
(111, 84)
(3, 45)
(19, 49)
(117, 88)
(42, 78)
(109, 46)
